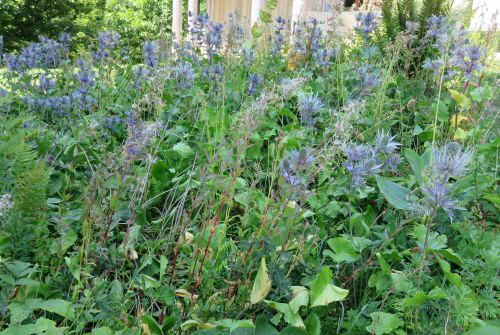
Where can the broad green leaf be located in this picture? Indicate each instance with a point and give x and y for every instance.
(102, 331)
(418, 299)
(232, 325)
(300, 297)
(257, 31)
(57, 306)
(322, 292)
(183, 149)
(344, 249)
(168, 323)
(395, 194)
(265, 16)
(290, 316)
(263, 327)
(434, 240)
(152, 324)
(484, 330)
(384, 323)
(313, 324)
(261, 285)
(42, 326)
(290, 330)
(384, 266)
(416, 164)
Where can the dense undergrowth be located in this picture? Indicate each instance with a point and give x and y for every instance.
(303, 184)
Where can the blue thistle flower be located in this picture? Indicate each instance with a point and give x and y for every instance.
(450, 160)
(366, 23)
(309, 106)
(184, 75)
(384, 143)
(150, 49)
(294, 167)
(255, 80)
(249, 56)
(392, 162)
(46, 83)
(436, 195)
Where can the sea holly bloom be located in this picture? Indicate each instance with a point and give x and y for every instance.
(255, 80)
(384, 143)
(293, 167)
(150, 49)
(46, 83)
(183, 73)
(436, 196)
(309, 106)
(392, 162)
(249, 56)
(450, 160)
(366, 23)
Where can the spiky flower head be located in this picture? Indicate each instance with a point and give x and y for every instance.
(309, 106)
(436, 196)
(450, 160)
(384, 143)
(294, 167)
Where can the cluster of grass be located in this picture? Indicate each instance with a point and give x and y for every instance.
(288, 182)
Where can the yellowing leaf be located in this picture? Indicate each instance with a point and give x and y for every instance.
(322, 292)
(456, 119)
(262, 284)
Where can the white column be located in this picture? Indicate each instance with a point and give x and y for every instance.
(255, 10)
(177, 20)
(193, 7)
(297, 10)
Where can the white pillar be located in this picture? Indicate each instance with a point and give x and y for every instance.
(255, 10)
(193, 7)
(297, 10)
(177, 20)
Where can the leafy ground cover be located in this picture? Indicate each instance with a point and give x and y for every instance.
(279, 183)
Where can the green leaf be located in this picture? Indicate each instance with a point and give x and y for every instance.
(262, 284)
(152, 324)
(395, 194)
(168, 323)
(322, 292)
(263, 327)
(42, 326)
(418, 299)
(344, 249)
(257, 31)
(232, 325)
(435, 241)
(102, 331)
(265, 16)
(383, 323)
(300, 297)
(416, 164)
(290, 316)
(290, 330)
(63, 243)
(313, 324)
(163, 265)
(183, 149)
(484, 330)
(57, 306)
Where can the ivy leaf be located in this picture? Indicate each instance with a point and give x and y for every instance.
(395, 194)
(344, 249)
(383, 323)
(322, 292)
(262, 284)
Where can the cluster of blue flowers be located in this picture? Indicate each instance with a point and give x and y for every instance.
(449, 161)
(47, 53)
(294, 168)
(107, 41)
(279, 38)
(366, 23)
(456, 53)
(364, 160)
